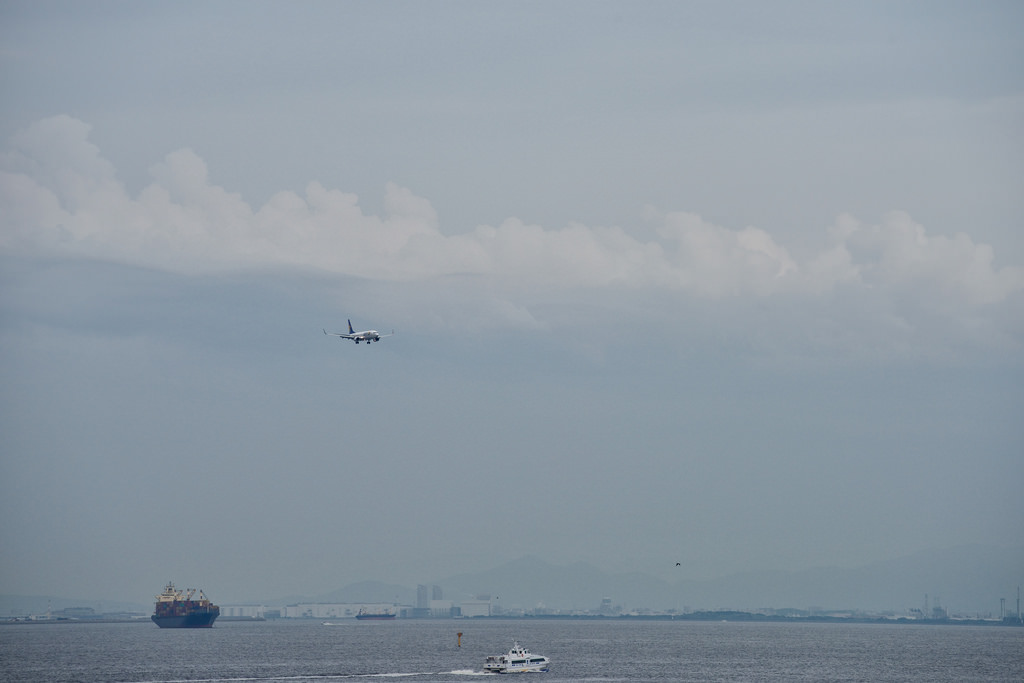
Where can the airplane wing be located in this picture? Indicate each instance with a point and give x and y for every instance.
(339, 334)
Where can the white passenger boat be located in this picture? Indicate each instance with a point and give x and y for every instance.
(518, 660)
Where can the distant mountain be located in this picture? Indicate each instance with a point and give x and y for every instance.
(362, 591)
(966, 579)
(530, 582)
(37, 605)
(371, 591)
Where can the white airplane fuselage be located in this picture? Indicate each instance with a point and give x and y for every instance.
(366, 335)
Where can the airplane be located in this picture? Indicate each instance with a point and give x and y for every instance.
(366, 336)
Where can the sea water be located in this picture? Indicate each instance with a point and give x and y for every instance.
(580, 650)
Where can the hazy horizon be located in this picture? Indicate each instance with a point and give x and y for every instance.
(739, 287)
(968, 581)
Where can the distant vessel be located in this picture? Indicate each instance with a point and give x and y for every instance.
(375, 616)
(518, 660)
(177, 609)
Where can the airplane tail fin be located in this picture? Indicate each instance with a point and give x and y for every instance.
(350, 330)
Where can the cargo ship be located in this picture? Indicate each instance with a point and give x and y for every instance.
(177, 609)
(375, 616)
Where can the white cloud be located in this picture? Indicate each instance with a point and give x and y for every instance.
(898, 254)
(60, 195)
(717, 261)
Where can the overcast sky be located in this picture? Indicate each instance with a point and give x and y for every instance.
(736, 285)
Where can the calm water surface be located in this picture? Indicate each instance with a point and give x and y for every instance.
(582, 650)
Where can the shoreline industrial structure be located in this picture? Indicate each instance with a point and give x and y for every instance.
(435, 606)
(432, 607)
(430, 604)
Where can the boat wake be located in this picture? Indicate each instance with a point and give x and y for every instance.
(318, 677)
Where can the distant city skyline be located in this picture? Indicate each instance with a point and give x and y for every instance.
(969, 581)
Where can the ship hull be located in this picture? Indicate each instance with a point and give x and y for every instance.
(375, 617)
(195, 620)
